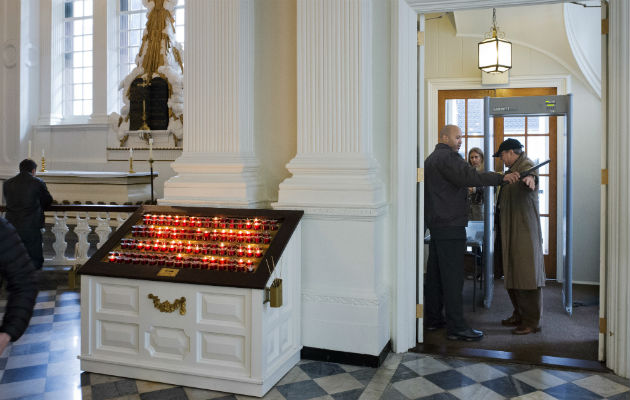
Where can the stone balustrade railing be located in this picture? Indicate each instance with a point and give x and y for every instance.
(69, 227)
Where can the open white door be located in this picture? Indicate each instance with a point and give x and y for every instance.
(601, 353)
(404, 151)
(420, 212)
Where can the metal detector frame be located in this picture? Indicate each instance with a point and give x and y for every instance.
(530, 106)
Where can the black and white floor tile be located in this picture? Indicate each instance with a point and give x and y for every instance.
(43, 365)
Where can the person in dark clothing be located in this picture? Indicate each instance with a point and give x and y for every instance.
(447, 178)
(26, 197)
(16, 269)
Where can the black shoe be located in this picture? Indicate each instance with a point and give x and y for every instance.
(435, 327)
(468, 335)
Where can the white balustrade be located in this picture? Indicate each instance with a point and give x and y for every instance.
(82, 224)
(59, 245)
(82, 246)
(103, 230)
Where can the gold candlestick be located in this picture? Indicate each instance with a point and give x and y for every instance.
(43, 165)
(131, 171)
(144, 126)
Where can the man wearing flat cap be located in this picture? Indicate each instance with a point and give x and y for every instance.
(448, 178)
(519, 236)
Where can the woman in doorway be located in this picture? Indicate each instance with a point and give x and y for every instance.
(475, 194)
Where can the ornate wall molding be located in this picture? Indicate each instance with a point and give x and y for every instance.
(9, 54)
(311, 297)
(337, 213)
(426, 6)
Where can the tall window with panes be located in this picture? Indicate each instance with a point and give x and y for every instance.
(77, 77)
(132, 20)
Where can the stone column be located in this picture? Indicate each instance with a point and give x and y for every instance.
(618, 206)
(335, 180)
(218, 166)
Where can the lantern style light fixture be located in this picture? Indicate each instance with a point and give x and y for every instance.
(495, 53)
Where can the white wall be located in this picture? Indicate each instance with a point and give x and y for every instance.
(275, 115)
(452, 56)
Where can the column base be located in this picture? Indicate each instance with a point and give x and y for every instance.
(345, 304)
(347, 324)
(215, 180)
(346, 180)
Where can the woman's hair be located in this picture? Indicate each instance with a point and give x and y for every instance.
(478, 151)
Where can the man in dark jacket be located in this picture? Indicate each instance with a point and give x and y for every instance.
(448, 177)
(27, 197)
(16, 269)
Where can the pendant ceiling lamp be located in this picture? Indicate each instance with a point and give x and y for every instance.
(495, 53)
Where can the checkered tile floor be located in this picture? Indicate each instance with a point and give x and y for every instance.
(43, 365)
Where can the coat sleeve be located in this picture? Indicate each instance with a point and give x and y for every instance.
(45, 199)
(17, 269)
(460, 173)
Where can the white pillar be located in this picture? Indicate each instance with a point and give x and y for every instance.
(335, 180)
(19, 80)
(218, 166)
(618, 213)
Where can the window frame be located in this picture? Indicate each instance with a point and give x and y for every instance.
(105, 59)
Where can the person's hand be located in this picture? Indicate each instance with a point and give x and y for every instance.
(512, 177)
(530, 182)
(4, 341)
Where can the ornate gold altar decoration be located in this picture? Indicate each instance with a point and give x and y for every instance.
(150, 50)
(152, 41)
(159, 56)
(168, 307)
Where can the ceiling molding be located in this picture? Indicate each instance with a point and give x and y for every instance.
(583, 59)
(426, 6)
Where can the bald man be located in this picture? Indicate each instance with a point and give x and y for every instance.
(447, 178)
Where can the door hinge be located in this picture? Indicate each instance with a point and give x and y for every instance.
(420, 38)
(602, 325)
(605, 26)
(604, 176)
(420, 175)
(419, 310)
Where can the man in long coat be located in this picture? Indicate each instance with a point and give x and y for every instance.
(521, 241)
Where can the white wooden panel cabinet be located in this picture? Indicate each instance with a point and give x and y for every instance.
(228, 339)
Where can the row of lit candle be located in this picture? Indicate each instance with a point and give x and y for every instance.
(179, 261)
(210, 222)
(191, 248)
(199, 234)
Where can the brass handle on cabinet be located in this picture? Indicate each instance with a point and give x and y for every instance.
(167, 306)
